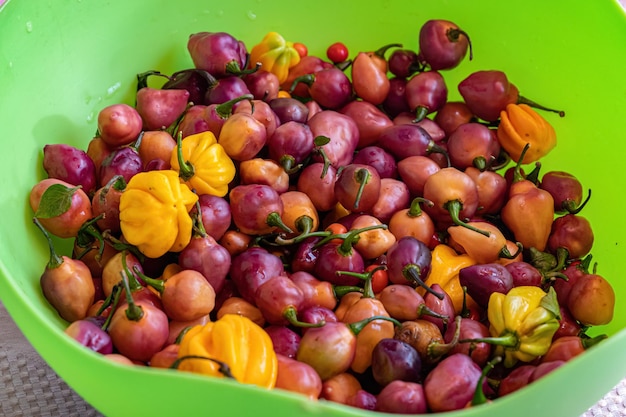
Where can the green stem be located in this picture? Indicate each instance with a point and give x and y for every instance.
(434, 148)
(353, 236)
(273, 219)
(142, 78)
(420, 113)
(453, 35)
(233, 68)
(505, 253)
(291, 315)
(368, 291)
(524, 100)
(182, 334)
(157, 284)
(380, 52)
(356, 327)
(198, 225)
(543, 261)
(112, 300)
(173, 127)
(570, 205)
(341, 290)
(133, 311)
(479, 395)
(87, 235)
(533, 176)
(55, 260)
(412, 273)
(424, 310)
(224, 369)
(132, 279)
(307, 79)
(517, 171)
(590, 342)
(319, 142)
(362, 177)
(288, 162)
(509, 340)
(436, 350)
(415, 210)
(454, 207)
(282, 241)
(186, 169)
(121, 246)
(225, 109)
(465, 312)
(480, 163)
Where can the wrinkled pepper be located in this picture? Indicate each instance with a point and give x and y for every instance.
(236, 341)
(444, 270)
(521, 125)
(522, 323)
(203, 164)
(275, 55)
(154, 212)
(528, 212)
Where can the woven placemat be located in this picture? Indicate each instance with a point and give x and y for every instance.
(30, 388)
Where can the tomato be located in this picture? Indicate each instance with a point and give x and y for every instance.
(337, 52)
(301, 48)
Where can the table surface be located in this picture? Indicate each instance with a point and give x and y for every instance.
(29, 387)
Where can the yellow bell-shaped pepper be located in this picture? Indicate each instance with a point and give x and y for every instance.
(521, 125)
(444, 270)
(275, 55)
(154, 212)
(522, 323)
(203, 164)
(236, 341)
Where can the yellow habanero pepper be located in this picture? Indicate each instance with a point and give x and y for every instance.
(444, 270)
(521, 125)
(154, 212)
(522, 323)
(275, 55)
(203, 164)
(236, 341)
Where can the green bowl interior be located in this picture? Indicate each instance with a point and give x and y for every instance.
(61, 62)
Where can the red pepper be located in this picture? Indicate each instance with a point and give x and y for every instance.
(568, 347)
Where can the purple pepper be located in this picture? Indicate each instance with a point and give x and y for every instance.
(219, 53)
(70, 164)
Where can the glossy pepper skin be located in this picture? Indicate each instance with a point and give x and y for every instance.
(527, 317)
(444, 271)
(521, 125)
(154, 212)
(203, 164)
(361, 308)
(236, 341)
(529, 213)
(275, 55)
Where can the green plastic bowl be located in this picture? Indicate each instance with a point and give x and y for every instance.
(61, 62)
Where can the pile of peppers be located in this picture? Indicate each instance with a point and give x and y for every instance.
(340, 230)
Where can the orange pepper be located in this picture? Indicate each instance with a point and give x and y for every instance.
(299, 212)
(371, 334)
(521, 125)
(483, 249)
(372, 243)
(529, 210)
